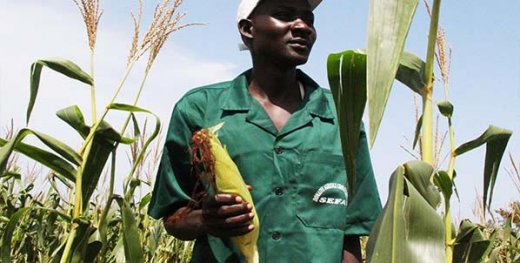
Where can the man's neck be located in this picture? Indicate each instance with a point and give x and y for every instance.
(275, 85)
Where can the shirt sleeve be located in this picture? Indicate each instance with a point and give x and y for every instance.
(174, 183)
(366, 204)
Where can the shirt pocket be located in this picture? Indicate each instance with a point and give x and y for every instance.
(321, 194)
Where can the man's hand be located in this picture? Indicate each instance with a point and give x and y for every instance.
(226, 215)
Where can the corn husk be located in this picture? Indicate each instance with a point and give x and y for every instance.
(214, 165)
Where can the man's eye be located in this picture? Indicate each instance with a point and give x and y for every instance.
(284, 16)
(309, 20)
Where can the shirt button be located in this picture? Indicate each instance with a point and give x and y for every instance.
(278, 191)
(278, 149)
(276, 235)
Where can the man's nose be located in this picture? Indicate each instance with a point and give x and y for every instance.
(303, 26)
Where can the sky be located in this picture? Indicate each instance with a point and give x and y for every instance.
(484, 38)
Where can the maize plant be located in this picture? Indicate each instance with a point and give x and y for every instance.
(416, 224)
(80, 230)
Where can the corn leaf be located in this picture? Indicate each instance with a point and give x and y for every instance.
(470, 244)
(48, 159)
(411, 72)
(418, 128)
(145, 201)
(11, 175)
(400, 231)
(93, 246)
(388, 25)
(74, 117)
(59, 147)
(109, 133)
(442, 180)
(94, 164)
(419, 174)
(131, 240)
(14, 221)
(347, 80)
(83, 231)
(118, 253)
(103, 143)
(496, 140)
(446, 108)
(135, 124)
(63, 66)
(9, 231)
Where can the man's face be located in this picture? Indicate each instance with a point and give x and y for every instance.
(283, 31)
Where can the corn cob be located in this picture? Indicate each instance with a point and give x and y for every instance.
(213, 164)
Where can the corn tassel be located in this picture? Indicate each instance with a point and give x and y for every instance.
(213, 164)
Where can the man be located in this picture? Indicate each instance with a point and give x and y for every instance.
(281, 131)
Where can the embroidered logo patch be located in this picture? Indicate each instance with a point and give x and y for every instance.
(321, 197)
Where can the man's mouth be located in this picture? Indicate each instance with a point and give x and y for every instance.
(299, 43)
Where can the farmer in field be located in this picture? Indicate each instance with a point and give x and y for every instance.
(281, 131)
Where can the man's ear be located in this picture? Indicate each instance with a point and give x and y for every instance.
(245, 26)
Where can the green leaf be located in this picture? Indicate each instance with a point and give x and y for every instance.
(137, 132)
(9, 231)
(419, 174)
(48, 159)
(418, 128)
(94, 164)
(347, 80)
(93, 246)
(445, 184)
(10, 175)
(64, 66)
(145, 201)
(411, 72)
(117, 254)
(59, 147)
(388, 25)
(109, 133)
(129, 193)
(446, 108)
(103, 143)
(83, 229)
(131, 240)
(400, 232)
(14, 221)
(74, 117)
(470, 243)
(496, 140)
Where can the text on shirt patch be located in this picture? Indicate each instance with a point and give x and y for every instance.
(318, 198)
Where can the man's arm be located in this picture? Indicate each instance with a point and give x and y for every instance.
(351, 250)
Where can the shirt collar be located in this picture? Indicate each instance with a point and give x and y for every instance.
(237, 97)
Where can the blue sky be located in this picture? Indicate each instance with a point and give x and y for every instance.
(484, 80)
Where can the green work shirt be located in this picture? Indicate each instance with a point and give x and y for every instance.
(298, 174)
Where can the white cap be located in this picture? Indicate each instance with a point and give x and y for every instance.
(246, 7)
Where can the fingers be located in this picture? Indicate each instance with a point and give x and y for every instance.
(219, 200)
(225, 215)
